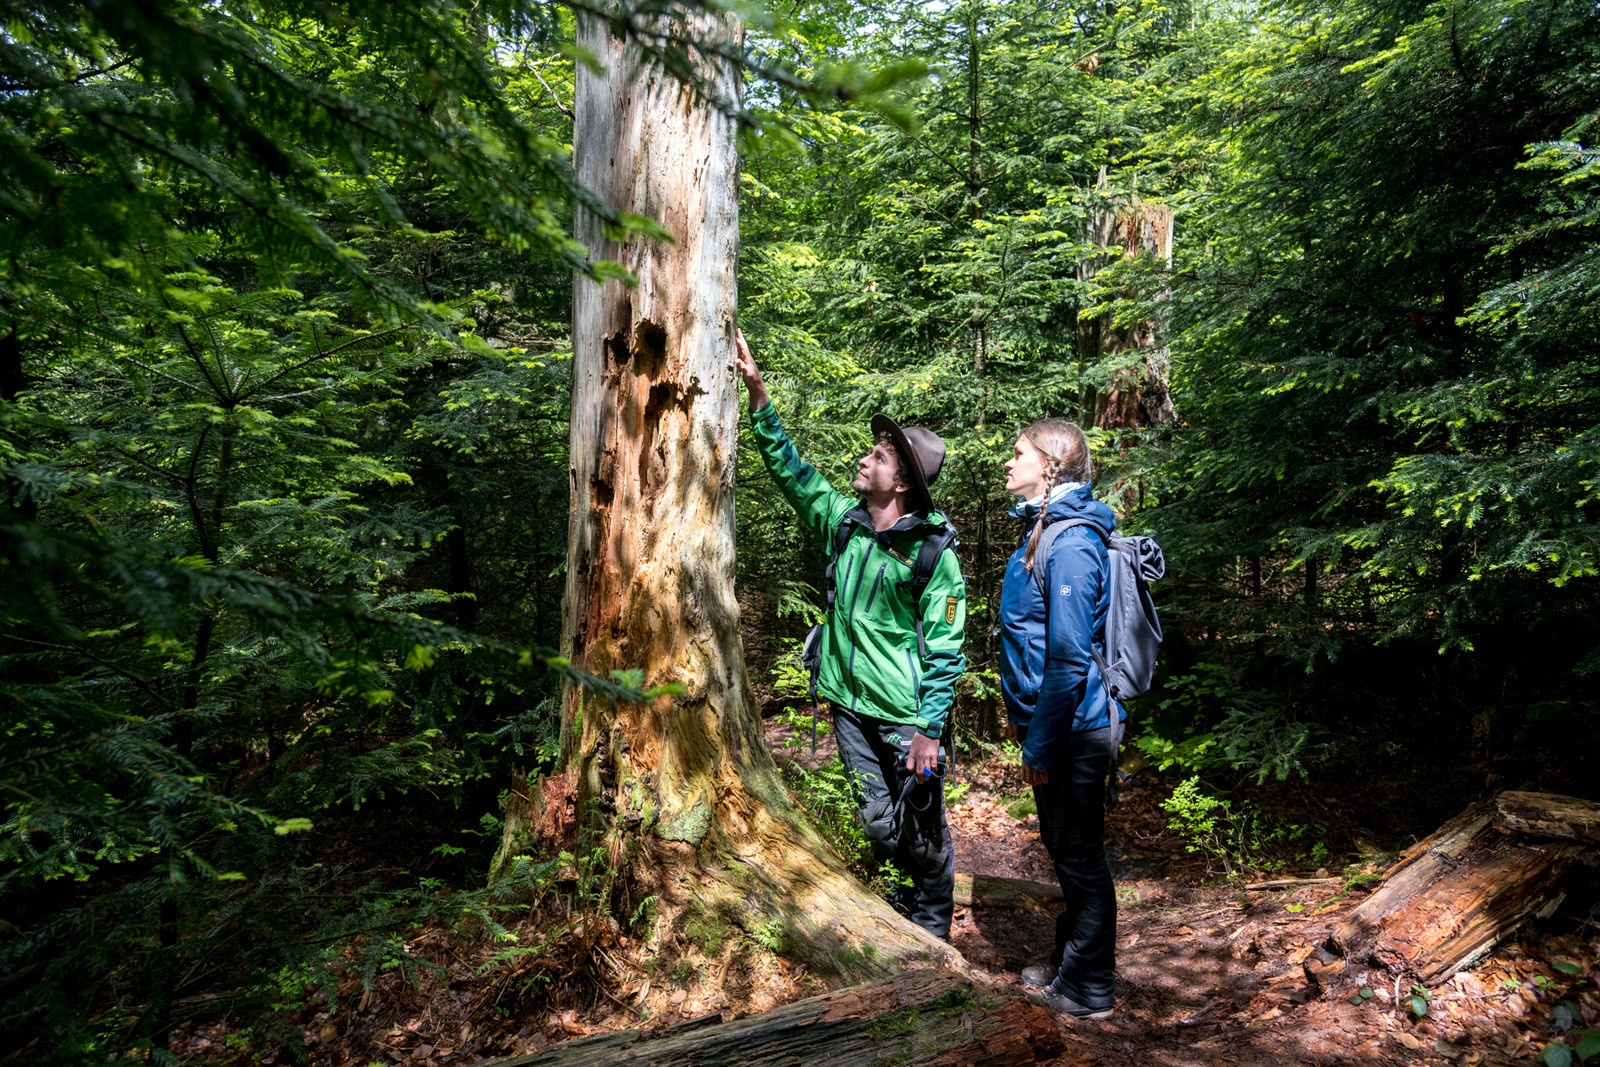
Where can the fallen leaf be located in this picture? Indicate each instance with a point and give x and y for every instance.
(1185, 930)
(1410, 1041)
(422, 1052)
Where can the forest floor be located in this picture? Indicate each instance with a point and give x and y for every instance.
(1211, 972)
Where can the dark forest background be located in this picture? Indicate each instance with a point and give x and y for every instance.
(284, 293)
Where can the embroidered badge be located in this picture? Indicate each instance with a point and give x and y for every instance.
(950, 610)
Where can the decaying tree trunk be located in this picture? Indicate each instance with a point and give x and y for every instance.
(918, 1017)
(1475, 880)
(682, 790)
(1139, 394)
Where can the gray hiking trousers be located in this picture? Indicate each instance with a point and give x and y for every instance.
(902, 816)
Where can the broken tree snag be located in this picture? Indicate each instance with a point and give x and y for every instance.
(917, 1017)
(1456, 894)
(681, 790)
(1139, 394)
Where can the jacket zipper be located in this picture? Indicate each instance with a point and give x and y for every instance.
(876, 582)
(916, 680)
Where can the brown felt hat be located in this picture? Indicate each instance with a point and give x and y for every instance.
(924, 450)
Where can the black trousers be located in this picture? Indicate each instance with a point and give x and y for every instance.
(907, 826)
(1072, 822)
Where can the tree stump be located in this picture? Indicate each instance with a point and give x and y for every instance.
(1480, 876)
(917, 1017)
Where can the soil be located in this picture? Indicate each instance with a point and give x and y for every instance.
(1211, 971)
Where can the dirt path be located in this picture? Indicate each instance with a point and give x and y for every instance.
(1222, 975)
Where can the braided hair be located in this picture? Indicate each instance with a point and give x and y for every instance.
(1064, 454)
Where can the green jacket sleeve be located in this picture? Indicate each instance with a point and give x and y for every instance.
(944, 619)
(819, 505)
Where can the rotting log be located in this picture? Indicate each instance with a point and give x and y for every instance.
(1550, 815)
(917, 1017)
(1458, 892)
(991, 891)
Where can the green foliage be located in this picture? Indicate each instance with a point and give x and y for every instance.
(1022, 807)
(1233, 834)
(1383, 321)
(280, 319)
(789, 675)
(1205, 720)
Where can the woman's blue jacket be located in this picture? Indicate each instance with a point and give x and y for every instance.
(1047, 674)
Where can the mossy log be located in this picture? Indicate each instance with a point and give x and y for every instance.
(917, 1017)
(1480, 876)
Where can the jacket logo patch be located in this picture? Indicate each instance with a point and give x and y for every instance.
(950, 610)
(1066, 590)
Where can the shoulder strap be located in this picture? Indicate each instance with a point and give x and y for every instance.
(841, 537)
(1041, 553)
(1048, 537)
(922, 568)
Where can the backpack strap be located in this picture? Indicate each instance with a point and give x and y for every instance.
(928, 554)
(841, 537)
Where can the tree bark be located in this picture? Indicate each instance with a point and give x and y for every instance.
(919, 1017)
(682, 789)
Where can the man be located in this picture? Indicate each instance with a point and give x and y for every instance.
(889, 663)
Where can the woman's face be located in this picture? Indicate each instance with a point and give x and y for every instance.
(1025, 470)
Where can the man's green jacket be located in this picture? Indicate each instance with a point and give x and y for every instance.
(870, 660)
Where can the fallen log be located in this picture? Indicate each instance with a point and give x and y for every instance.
(1550, 815)
(992, 891)
(916, 1017)
(1458, 892)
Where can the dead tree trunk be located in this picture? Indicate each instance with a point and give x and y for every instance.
(919, 1017)
(1138, 395)
(1475, 880)
(682, 789)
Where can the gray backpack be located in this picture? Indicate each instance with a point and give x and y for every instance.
(1133, 632)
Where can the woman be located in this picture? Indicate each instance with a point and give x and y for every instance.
(1057, 702)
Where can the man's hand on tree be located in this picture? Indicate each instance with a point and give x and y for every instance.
(750, 372)
(924, 754)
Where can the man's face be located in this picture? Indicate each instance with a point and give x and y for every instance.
(878, 475)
